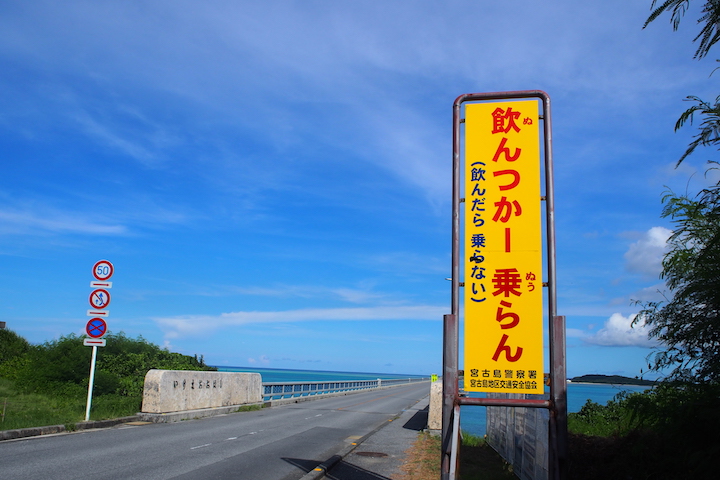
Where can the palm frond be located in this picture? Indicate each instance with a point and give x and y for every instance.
(709, 127)
(679, 7)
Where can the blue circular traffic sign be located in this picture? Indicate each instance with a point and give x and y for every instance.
(96, 328)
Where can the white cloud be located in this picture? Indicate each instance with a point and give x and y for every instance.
(575, 333)
(645, 256)
(263, 359)
(352, 295)
(619, 332)
(43, 216)
(653, 293)
(129, 142)
(24, 222)
(225, 59)
(189, 325)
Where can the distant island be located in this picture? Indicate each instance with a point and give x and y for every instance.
(613, 379)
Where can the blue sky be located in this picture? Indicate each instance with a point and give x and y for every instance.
(271, 179)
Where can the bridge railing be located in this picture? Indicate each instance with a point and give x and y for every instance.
(278, 390)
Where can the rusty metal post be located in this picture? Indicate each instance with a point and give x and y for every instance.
(455, 284)
(557, 429)
(450, 391)
(451, 323)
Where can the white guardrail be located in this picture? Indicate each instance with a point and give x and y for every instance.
(278, 390)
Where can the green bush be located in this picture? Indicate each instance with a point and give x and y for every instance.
(55, 365)
(62, 366)
(47, 384)
(12, 346)
(614, 418)
(668, 432)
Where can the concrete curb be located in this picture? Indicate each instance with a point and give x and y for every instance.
(172, 417)
(31, 432)
(52, 429)
(319, 472)
(106, 423)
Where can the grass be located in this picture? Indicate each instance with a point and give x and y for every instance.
(250, 408)
(19, 410)
(422, 459)
(478, 461)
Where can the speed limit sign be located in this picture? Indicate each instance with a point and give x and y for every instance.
(103, 270)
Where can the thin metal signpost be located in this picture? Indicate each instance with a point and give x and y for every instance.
(96, 328)
(91, 383)
(516, 367)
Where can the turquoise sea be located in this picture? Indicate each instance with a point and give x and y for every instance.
(472, 419)
(270, 375)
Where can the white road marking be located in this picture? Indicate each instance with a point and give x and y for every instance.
(201, 446)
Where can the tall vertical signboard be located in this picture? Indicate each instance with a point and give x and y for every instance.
(502, 245)
(503, 269)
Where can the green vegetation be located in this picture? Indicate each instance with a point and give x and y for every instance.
(478, 461)
(667, 432)
(47, 384)
(613, 418)
(250, 408)
(21, 410)
(670, 431)
(688, 322)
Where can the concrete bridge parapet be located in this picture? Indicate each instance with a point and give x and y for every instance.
(168, 391)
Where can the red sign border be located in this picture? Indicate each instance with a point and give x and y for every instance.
(99, 290)
(109, 264)
(87, 327)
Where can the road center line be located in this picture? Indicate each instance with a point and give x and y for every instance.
(370, 401)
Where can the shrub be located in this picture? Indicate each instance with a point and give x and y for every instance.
(667, 432)
(614, 418)
(62, 366)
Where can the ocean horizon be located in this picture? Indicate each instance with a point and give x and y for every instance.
(472, 418)
(271, 375)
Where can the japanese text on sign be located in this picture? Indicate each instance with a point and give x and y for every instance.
(502, 244)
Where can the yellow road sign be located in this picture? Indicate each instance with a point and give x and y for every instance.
(502, 244)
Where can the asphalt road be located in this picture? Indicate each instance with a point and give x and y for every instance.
(282, 442)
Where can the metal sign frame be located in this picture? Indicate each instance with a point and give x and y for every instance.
(557, 404)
